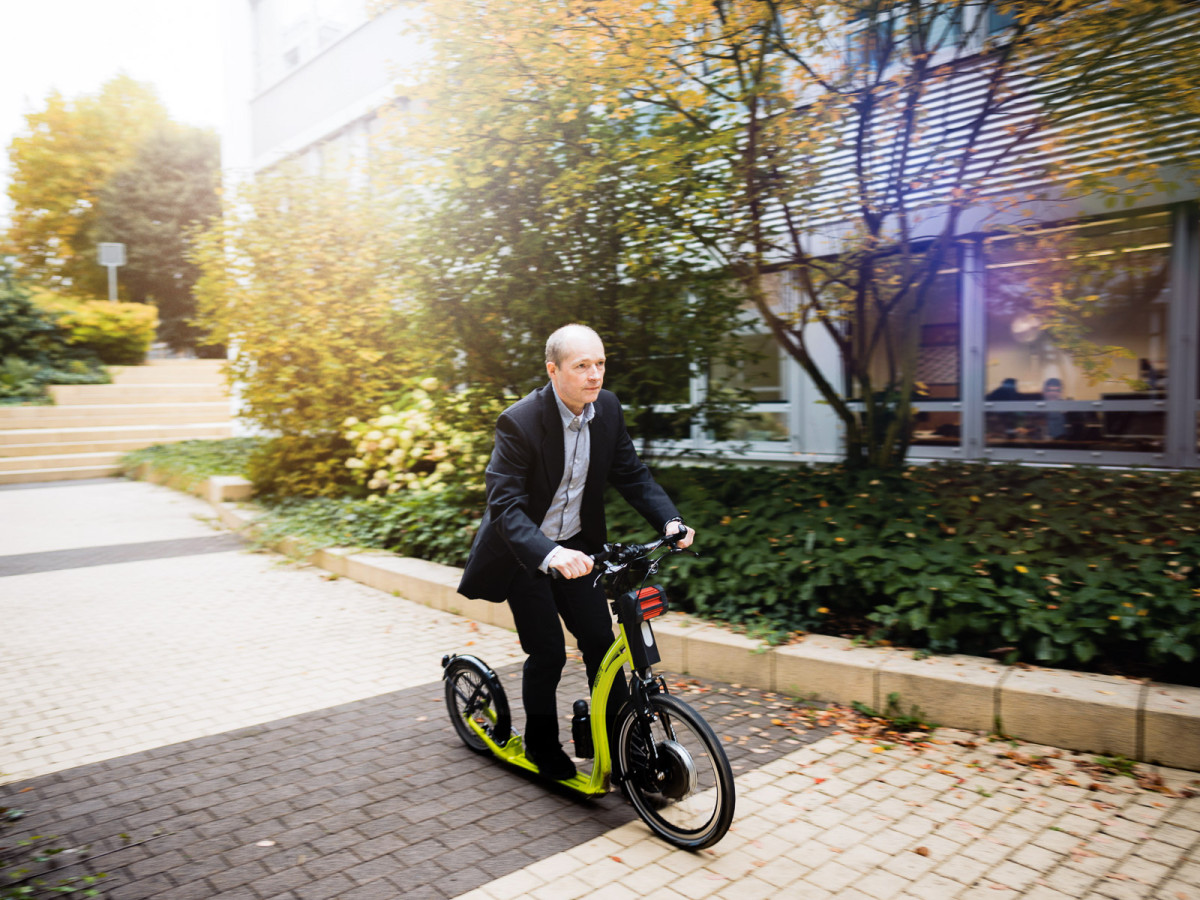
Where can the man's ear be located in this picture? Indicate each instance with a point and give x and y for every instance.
(551, 368)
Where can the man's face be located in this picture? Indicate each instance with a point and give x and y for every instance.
(579, 379)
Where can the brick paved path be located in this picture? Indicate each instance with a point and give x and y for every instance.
(209, 722)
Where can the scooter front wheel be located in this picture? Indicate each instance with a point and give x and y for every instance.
(474, 694)
(675, 773)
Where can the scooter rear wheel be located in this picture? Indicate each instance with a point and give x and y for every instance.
(473, 692)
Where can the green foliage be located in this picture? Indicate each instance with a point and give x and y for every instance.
(298, 277)
(35, 350)
(20, 381)
(27, 869)
(60, 166)
(422, 444)
(151, 204)
(436, 526)
(1073, 568)
(119, 334)
(509, 239)
(194, 461)
(1117, 765)
(805, 150)
(894, 713)
(302, 465)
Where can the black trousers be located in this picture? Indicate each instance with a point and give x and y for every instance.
(537, 602)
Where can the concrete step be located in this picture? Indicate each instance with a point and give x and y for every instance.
(141, 435)
(60, 461)
(15, 450)
(170, 371)
(66, 473)
(107, 414)
(91, 426)
(115, 394)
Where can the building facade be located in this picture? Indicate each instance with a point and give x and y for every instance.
(309, 79)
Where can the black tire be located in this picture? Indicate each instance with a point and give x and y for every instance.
(688, 797)
(473, 691)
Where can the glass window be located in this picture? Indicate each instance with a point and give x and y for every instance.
(937, 427)
(761, 374)
(939, 368)
(1076, 323)
(756, 426)
(1087, 306)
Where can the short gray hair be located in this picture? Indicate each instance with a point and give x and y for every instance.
(556, 344)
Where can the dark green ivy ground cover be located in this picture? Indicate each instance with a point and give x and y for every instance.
(1074, 567)
(1079, 568)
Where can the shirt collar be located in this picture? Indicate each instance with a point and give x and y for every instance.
(568, 417)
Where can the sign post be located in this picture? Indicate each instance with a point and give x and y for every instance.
(112, 255)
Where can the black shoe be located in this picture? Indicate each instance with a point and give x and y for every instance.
(552, 762)
(543, 749)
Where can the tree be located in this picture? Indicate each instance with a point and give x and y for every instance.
(296, 280)
(152, 204)
(494, 260)
(828, 154)
(59, 168)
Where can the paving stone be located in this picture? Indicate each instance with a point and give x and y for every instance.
(260, 702)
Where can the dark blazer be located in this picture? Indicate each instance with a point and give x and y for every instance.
(523, 474)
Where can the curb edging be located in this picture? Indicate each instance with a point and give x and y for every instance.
(1148, 722)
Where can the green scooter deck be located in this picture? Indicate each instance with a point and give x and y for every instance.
(513, 753)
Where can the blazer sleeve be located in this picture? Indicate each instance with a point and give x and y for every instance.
(507, 479)
(633, 481)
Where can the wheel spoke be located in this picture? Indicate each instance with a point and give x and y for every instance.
(474, 700)
(683, 788)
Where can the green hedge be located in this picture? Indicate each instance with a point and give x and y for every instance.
(1078, 568)
(35, 351)
(120, 334)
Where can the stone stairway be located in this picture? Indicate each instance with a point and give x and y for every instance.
(91, 426)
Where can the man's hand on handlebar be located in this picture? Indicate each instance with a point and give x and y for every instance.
(571, 563)
(684, 542)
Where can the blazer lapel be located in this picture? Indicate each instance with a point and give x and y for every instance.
(553, 454)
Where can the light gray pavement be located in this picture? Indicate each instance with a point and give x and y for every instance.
(212, 722)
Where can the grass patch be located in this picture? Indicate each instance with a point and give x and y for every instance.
(195, 461)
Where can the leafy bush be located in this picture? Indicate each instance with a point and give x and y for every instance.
(1077, 568)
(35, 351)
(20, 380)
(434, 525)
(120, 334)
(422, 444)
(196, 460)
(298, 278)
(302, 465)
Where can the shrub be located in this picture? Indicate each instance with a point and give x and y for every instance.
(436, 526)
(297, 277)
(1066, 567)
(196, 460)
(1076, 568)
(420, 443)
(34, 349)
(119, 334)
(302, 465)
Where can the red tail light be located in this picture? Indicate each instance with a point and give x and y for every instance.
(652, 601)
